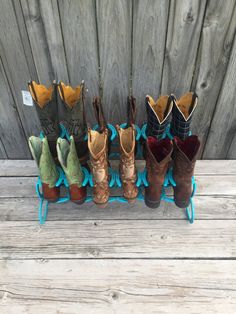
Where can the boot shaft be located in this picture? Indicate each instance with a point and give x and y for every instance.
(158, 114)
(182, 114)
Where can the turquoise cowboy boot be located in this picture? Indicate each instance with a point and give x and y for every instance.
(69, 161)
(48, 172)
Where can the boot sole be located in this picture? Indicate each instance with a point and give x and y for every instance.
(181, 204)
(152, 204)
(79, 202)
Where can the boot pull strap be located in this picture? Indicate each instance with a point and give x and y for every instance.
(99, 115)
(194, 98)
(131, 110)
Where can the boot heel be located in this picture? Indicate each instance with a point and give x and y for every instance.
(152, 204)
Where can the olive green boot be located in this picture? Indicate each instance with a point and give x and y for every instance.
(69, 161)
(48, 172)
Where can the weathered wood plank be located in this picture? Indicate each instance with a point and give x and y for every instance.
(118, 286)
(15, 65)
(213, 56)
(206, 207)
(25, 186)
(114, 34)
(118, 239)
(27, 168)
(149, 36)
(78, 20)
(232, 150)
(3, 154)
(46, 39)
(223, 126)
(184, 27)
(11, 131)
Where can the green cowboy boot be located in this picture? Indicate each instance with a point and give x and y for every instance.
(69, 161)
(48, 172)
(45, 102)
(72, 115)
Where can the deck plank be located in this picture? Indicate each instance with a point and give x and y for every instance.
(118, 286)
(118, 239)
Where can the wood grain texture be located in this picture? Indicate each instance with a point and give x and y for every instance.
(118, 239)
(213, 57)
(16, 66)
(11, 131)
(3, 154)
(78, 21)
(150, 20)
(206, 208)
(223, 126)
(118, 286)
(184, 27)
(28, 168)
(232, 149)
(114, 33)
(44, 30)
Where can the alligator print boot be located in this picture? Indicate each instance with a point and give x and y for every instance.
(158, 156)
(182, 114)
(45, 101)
(184, 159)
(47, 168)
(98, 149)
(127, 167)
(69, 161)
(158, 114)
(72, 115)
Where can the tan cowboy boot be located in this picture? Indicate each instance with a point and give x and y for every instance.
(127, 161)
(98, 149)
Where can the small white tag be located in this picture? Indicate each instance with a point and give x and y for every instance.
(27, 99)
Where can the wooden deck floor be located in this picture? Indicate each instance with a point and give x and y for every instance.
(121, 259)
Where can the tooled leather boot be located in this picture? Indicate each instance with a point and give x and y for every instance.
(158, 113)
(182, 114)
(98, 149)
(158, 156)
(47, 168)
(127, 167)
(45, 101)
(72, 115)
(184, 159)
(69, 161)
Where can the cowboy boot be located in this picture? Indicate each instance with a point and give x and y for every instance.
(98, 148)
(45, 101)
(158, 114)
(184, 159)
(47, 168)
(72, 115)
(158, 156)
(182, 114)
(127, 161)
(69, 161)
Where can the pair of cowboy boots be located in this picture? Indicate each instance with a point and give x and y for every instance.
(182, 151)
(65, 105)
(98, 145)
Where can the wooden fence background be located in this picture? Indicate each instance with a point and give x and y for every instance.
(120, 47)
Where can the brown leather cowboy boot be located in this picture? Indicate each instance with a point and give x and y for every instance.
(45, 101)
(98, 149)
(182, 114)
(184, 159)
(158, 156)
(127, 161)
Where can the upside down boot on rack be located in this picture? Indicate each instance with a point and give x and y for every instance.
(48, 172)
(45, 101)
(98, 149)
(158, 114)
(69, 161)
(184, 159)
(182, 114)
(158, 156)
(127, 167)
(72, 115)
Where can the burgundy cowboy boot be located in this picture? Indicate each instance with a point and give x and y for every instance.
(184, 159)
(158, 156)
(45, 101)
